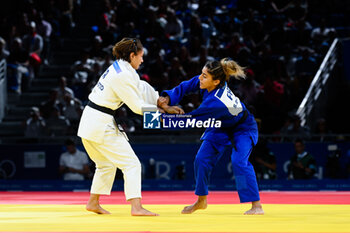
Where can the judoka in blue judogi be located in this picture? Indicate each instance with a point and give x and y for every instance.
(238, 131)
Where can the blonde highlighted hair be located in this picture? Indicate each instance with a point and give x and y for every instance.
(224, 69)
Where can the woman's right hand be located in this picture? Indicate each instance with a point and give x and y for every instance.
(174, 110)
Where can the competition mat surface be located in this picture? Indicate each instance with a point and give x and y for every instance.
(284, 212)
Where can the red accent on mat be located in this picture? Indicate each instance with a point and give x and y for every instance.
(175, 197)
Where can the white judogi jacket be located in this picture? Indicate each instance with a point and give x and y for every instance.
(119, 84)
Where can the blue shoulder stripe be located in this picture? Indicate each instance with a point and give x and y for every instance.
(116, 67)
(220, 91)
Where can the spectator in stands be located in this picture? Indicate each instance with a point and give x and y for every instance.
(254, 34)
(18, 54)
(333, 169)
(295, 10)
(202, 57)
(214, 49)
(106, 28)
(18, 67)
(74, 164)
(235, 45)
(107, 60)
(321, 131)
(302, 164)
(93, 77)
(306, 64)
(34, 44)
(196, 29)
(44, 29)
(173, 27)
(264, 161)
(53, 15)
(66, 8)
(176, 72)
(57, 125)
(62, 90)
(153, 25)
(46, 107)
(81, 70)
(3, 52)
(293, 129)
(96, 50)
(249, 88)
(35, 125)
(22, 24)
(185, 59)
(32, 41)
(321, 33)
(72, 110)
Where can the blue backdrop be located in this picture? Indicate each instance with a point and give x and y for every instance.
(35, 167)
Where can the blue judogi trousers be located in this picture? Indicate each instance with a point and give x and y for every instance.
(209, 154)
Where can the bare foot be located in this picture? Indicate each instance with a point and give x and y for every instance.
(96, 209)
(142, 212)
(198, 205)
(255, 211)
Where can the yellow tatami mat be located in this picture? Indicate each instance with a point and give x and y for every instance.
(216, 218)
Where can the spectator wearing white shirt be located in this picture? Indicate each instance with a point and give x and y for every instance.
(62, 90)
(74, 164)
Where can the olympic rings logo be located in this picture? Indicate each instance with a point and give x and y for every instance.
(7, 169)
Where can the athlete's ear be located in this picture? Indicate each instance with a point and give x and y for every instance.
(216, 82)
(132, 55)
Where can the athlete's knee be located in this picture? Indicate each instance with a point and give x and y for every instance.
(237, 160)
(203, 164)
(138, 166)
(239, 165)
(199, 161)
(136, 162)
(105, 168)
(242, 167)
(133, 164)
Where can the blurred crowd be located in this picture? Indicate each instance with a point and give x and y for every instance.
(27, 30)
(281, 43)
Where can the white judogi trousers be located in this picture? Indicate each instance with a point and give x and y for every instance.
(115, 152)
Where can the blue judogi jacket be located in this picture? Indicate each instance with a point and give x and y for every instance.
(220, 104)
